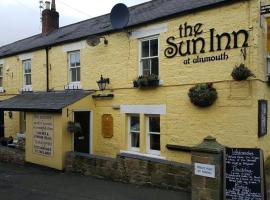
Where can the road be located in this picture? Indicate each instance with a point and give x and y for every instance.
(36, 183)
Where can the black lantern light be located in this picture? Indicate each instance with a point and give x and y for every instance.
(103, 82)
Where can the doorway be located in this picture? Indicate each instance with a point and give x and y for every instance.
(82, 138)
(2, 124)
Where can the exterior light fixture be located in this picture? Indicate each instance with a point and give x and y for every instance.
(103, 82)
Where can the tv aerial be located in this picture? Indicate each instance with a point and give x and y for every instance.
(119, 16)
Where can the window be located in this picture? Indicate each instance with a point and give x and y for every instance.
(74, 67)
(149, 59)
(262, 120)
(27, 65)
(134, 132)
(1, 75)
(153, 135)
(22, 122)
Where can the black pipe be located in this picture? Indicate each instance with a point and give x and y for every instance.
(47, 69)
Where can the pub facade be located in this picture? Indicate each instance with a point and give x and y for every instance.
(154, 88)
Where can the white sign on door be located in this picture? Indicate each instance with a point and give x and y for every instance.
(205, 170)
(43, 134)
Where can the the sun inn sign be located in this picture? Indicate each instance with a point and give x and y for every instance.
(194, 40)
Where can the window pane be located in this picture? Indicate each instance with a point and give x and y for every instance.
(72, 60)
(145, 49)
(78, 62)
(73, 74)
(155, 66)
(135, 140)
(154, 47)
(78, 69)
(1, 82)
(155, 142)
(154, 124)
(135, 123)
(1, 70)
(27, 79)
(146, 67)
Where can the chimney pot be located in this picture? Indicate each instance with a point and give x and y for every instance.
(53, 5)
(47, 3)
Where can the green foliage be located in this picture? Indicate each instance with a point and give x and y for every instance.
(241, 73)
(146, 81)
(74, 127)
(203, 95)
(267, 166)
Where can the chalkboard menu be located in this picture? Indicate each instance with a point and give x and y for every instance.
(243, 174)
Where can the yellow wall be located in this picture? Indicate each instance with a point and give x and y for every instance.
(232, 119)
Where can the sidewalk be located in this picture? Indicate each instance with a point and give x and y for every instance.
(35, 183)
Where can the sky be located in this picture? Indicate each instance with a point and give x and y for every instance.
(21, 18)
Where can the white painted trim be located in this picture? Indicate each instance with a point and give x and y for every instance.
(74, 46)
(2, 90)
(91, 129)
(2, 61)
(144, 155)
(26, 56)
(73, 86)
(27, 88)
(146, 109)
(149, 31)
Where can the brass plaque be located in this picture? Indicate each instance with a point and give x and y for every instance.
(107, 126)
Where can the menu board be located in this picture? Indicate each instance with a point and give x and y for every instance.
(243, 175)
(107, 126)
(43, 134)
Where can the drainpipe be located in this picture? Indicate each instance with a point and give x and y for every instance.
(47, 69)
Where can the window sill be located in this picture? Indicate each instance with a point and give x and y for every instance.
(73, 86)
(27, 88)
(2, 90)
(143, 155)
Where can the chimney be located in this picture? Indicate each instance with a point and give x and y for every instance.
(50, 18)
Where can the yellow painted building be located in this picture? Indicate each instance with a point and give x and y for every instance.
(192, 44)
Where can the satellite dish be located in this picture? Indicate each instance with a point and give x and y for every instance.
(93, 41)
(119, 16)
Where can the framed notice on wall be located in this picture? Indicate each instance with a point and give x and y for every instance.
(262, 117)
(107, 126)
(43, 134)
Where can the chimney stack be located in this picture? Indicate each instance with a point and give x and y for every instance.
(50, 18)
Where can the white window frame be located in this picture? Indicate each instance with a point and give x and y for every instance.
(2, 76)
(24, 80)
(70, 67)
(129, 133)
(148, 133)
(150, 57)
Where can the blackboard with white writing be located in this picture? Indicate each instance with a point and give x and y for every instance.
(243, 174)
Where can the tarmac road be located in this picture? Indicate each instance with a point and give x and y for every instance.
(36, 183)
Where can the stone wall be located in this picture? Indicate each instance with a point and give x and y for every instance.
(11, 155)
(132, 169)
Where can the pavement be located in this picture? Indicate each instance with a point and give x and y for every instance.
(37, 183)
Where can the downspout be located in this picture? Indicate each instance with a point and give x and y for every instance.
(47, 69)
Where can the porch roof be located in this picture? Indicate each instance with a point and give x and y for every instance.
(43, 101)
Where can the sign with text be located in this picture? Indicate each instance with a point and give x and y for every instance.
(243, 174)
(43, 134)
(205, 170)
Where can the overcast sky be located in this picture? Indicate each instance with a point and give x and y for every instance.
(21, 18)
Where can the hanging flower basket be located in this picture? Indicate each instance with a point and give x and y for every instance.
(203, 95)
(241, 73)
(74, 127)
(146, 81)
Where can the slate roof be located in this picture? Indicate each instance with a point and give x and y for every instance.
(42, 101)
(140, 14)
